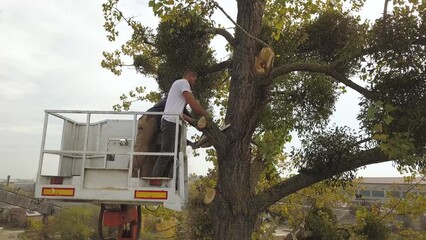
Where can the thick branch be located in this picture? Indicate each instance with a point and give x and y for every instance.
(292, 67)
(341, 78)
(210, 129)
(327, 69)
(293, 184)
(222, 32)
(216, 137)
(215, 68)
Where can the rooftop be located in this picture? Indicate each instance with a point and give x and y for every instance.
(392, 180)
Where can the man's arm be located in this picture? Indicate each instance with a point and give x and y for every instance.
(189, 119)
(189, 98)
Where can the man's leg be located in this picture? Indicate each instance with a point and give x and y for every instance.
(148, 166)
(149, 161)
(147, 128)
(164, 163)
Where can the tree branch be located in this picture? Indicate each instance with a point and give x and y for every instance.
(306, 67)
(327, 69)
(215, 68)
(400, 199)
(293, 184)
(385, 13)
(240, 27)
(214, 135)
(222, 32)
(128, 21)
(341, 78)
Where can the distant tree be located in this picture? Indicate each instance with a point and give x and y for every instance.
(406, 212)
(319, 48)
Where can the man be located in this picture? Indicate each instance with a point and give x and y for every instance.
(179, 95)
(146, 139)
(148, 126)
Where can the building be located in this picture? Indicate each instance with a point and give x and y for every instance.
(375, 189)
(372, 190)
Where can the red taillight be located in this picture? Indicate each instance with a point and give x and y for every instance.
(155, 182)
(56, 180)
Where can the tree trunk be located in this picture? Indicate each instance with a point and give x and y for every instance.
(232, 210)
(233, 227)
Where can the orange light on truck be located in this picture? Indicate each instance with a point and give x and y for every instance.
(154, 195)
(58, 192)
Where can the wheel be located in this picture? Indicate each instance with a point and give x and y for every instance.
(113, 218)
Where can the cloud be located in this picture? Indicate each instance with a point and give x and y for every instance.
(50, 58)
(50, 54)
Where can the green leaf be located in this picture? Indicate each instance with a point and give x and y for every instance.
(388, 119)
(378, 127)
(389, 108)
(276, 36)
(382, 137)
(384, 147)
(371, 112)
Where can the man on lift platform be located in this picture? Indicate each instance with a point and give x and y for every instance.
(146, 140)
(179, 95)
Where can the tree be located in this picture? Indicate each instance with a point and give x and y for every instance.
(320, 47)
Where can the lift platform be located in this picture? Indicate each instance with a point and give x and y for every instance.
(92, 152)
(87, 156)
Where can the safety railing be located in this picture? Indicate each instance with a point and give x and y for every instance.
(87, 154)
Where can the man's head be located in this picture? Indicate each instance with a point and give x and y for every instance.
(190, 75)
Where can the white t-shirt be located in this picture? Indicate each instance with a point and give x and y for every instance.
(175, 100)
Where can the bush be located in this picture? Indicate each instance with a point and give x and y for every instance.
(34, 230)
(195, 220)
(323, 224)
(371, 226)
(423, 222)
(75, 223)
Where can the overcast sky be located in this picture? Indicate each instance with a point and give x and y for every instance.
(50, 54)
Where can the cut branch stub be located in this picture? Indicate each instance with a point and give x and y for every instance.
(264, 60)
(209, 197)
(202, 122)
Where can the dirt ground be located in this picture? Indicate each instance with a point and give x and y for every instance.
(9, 234)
